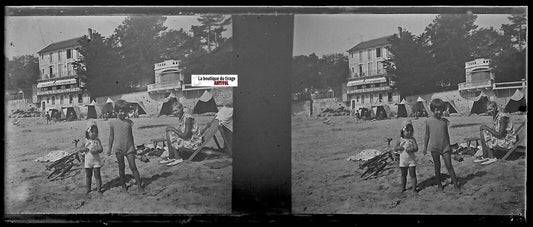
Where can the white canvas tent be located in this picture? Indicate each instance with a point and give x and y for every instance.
(164, 105)
(479, 105)
(516, 103)
(421, 105)
(135, 101)
(380, 108)
(404, 110)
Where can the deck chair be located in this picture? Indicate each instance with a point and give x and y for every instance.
(207, 133)
(518, 142)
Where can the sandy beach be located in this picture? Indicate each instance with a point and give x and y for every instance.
(189, 187)
(324, 181)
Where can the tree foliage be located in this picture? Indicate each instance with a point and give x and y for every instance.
(22, 72)
(100, 66)
(409, 65)
(139, 44)
(311, 72)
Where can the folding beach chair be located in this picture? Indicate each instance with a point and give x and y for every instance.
(518, 142)
(208, 133)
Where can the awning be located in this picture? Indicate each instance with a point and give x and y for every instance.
(56, 83)
(367, 81)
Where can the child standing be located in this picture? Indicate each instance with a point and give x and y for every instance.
(437, 141)
(407, 147)
(122, 144)
(93, 148)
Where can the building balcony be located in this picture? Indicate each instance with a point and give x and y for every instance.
(60, 91)
(164, 87)
(367, 90)
(475, 85)
(51, 77)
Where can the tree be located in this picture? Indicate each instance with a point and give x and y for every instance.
(22, 72)
(210, 30)
(510, 64)
(449, 39)
(410, 64)
(176, 44)
(486, 43)
(139, 43)
(311, 72)
(100, 66)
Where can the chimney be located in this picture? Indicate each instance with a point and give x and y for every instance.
(399, 32)
(90, 34)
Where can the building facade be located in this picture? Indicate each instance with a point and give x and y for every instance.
(58, 85)
(369, 84)
(478, 75)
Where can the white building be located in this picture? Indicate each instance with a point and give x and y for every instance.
(369, 84)
(58, 85)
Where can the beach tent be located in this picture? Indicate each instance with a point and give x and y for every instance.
(71, 111)
(516, 103)
(166, 105)
(206, 103)
(108, 106)
(421, 105)
(136, 104)
(403, 109)
(55, 113)
(381, 111)
(480, 104)
(91, 110)
(450, 106)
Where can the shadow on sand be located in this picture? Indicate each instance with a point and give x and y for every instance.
(145, 181)
(461, 180)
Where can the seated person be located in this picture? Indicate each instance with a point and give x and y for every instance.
(501, 136)
(225, 120)
(184, 139)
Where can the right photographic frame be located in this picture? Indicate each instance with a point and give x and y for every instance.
(410, 112)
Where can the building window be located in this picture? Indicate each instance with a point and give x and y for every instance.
(61, 100)
(363, 99)
(378, 68)
(369, 54)
(353, 70)
(351, 55)
(69, 53)
(357, 98)
(58, 87)
(378, 52)
(59, 56)
(80, 98)
(44, 76)
(53, 100)
(360, 69)
(360, 56)
(70, 99)
(353, 103)
(380, 98)
(371, 98)
(42, 56)
(50, 57)
(370, 68)
(51, 69)
(390, 97)
(47, 99)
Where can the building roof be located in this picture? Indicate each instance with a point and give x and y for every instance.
(61, 45)
(371, 43)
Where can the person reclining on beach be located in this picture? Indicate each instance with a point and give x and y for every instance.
(185, 138)
(501, 136)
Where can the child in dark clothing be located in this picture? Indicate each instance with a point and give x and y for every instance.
(122, 144)
(437, 141)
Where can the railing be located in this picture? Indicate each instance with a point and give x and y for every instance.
(372, 89)
(163, 86)
(510, 85)
(60, 91)
(475, 85)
